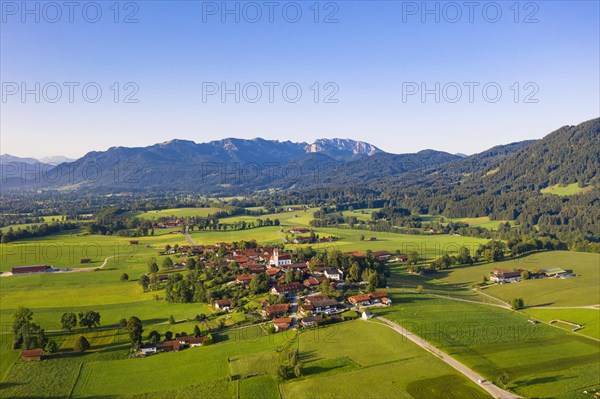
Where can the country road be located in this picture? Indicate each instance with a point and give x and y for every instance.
(188, 238)
(492, 389)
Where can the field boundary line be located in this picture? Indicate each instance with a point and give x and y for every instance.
(75, 380)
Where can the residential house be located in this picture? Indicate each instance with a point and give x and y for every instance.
(287, 289)
(282, 323)
(310, 321)
(148, 349)
(323, 304)
(279, 310)
(243, 278)
(360, 300)
(334, 274)
(273, 272)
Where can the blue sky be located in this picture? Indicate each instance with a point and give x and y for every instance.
(372, 57)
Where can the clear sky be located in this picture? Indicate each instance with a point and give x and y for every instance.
(374, 57)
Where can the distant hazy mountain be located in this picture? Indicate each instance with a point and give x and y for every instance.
(7, 158)
(55, 160)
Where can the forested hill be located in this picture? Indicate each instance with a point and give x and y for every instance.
(513, 188)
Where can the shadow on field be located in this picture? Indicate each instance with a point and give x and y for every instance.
(307, 356)
(4, 385)
(540, 380)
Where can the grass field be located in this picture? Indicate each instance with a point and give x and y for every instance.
(540, 360)
(483, 221)
(578, 291)
(588, 318)
(569, 189)
(178, 212)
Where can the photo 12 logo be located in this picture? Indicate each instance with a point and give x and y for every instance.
(453, 12)
(271, 92)
(53, 12)
(252, 12)
(70, 92)
(468, 92)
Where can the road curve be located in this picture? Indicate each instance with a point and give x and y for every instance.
(492, 389)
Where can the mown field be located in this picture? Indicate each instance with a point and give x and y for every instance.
(329, 354)
(577, 291)
(541, 361)
(588, 318)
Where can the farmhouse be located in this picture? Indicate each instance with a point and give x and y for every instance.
(148, 349)
(381, 255)
(360, 299)
(169, 346)
(191, 341)
(278, 310)
(287, 289)
(31, 269)
(371, 298)
(282, 323)
(32, 355)
(224, 304)
(502, 276)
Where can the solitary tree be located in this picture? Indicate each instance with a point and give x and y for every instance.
(171, 319)
(152, 265)
(89, 319)
(123, 323)
(68, 321)
(124, 277)
(134, 327)
(144, 281)
(518, 303)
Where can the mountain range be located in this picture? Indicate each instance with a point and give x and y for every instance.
(570, 154)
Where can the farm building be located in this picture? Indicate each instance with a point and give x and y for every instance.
(243, 278)
(224, 304)
(31, 269)
(502, 276)
(299, 230)
(32, 355)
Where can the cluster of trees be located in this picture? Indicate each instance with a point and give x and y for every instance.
(88, 319)
(39, 230)
(27, 334)
(289, 366)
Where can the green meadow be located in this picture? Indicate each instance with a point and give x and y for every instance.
(541, 361)
(581, 290)
(178, 212)
(588, 318)
(566, 190)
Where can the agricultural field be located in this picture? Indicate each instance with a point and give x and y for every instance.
(178, 212)
(483, 221)
(540, 361)
(588, 318)
(566, 190)
(581, 290)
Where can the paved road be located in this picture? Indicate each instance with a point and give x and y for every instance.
(492, 389)
(188, 238)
